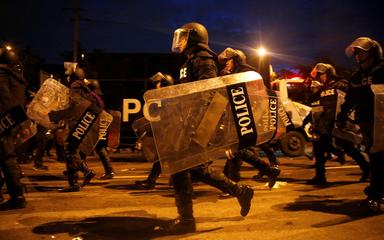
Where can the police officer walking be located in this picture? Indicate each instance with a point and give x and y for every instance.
(12, 93)
(324, 108)
(74, 163)
(101, 146)
(235, 62)
(191, 40)
(369, 56)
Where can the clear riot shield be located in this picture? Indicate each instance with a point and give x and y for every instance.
(197, 122)
(113, 132)
(378, 121)
(142, 129)
(52, 96)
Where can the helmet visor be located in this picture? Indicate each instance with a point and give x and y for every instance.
(362, 43)
(180, 40)
(319, 69)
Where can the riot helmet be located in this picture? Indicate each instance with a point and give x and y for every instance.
(365, 44)
(189, 34)
(229, 53)
(322, 68)
(79, 73)
(94, 85)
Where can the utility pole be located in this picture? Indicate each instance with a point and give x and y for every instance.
(76, 29)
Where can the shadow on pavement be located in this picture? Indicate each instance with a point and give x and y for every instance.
(352, 209)
(110, 228)
(46, 177)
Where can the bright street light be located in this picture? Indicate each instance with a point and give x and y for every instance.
(261, 51)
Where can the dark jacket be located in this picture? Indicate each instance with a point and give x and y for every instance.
(200, 64)
(359, 96)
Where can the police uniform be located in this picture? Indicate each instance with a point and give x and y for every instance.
(201, 64)
(360, 98)
(323, 126)
(232, 166)
(12, 93)
(74, 162)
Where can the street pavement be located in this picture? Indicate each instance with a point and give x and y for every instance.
(116, 209)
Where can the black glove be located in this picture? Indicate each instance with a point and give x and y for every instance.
(54, 116)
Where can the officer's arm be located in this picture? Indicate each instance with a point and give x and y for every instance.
(205, 68)
(346, 109)
(6, 96)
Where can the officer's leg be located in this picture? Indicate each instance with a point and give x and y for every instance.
(319, 149)
(40, 149)
(153, 175)
(182, 185)
(264, 167)
(375, 190)
(105, 160)
(268, 149)
(217, 179)
(356, 155)
(81, 162)
(232, 168)
(11, 171)
(72, 169)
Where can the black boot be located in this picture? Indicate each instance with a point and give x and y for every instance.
(244, 198)
(73, 186)
(185, 223)
(273, 173)
(106, 176)
(88, 177)
(14, 203)
(180, 226)
(318, 180)
(145, 185)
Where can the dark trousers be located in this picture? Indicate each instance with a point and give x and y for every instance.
(74, 164)
(102, 152)
(375, 190)
(323, 145)
(11, 171)
(154, 173)
(232, 166)
(182, 185)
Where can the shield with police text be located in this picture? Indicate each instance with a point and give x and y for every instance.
(143, 131)
(88, 124)
(378, 120)
(113, 133)
(324, 111)
(15, 127)
(196, 122)
(52, 96)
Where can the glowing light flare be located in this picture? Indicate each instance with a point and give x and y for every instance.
(261, 51)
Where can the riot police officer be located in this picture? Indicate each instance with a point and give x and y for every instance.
(12, 94)
(235, 62)
(101, 146)
(74, 162)
(158, 80)
(369, 56)
(326, 101)
(191, 40)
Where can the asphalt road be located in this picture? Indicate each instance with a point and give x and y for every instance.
(115, 209)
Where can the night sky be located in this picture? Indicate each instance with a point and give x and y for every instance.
(296, 31)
